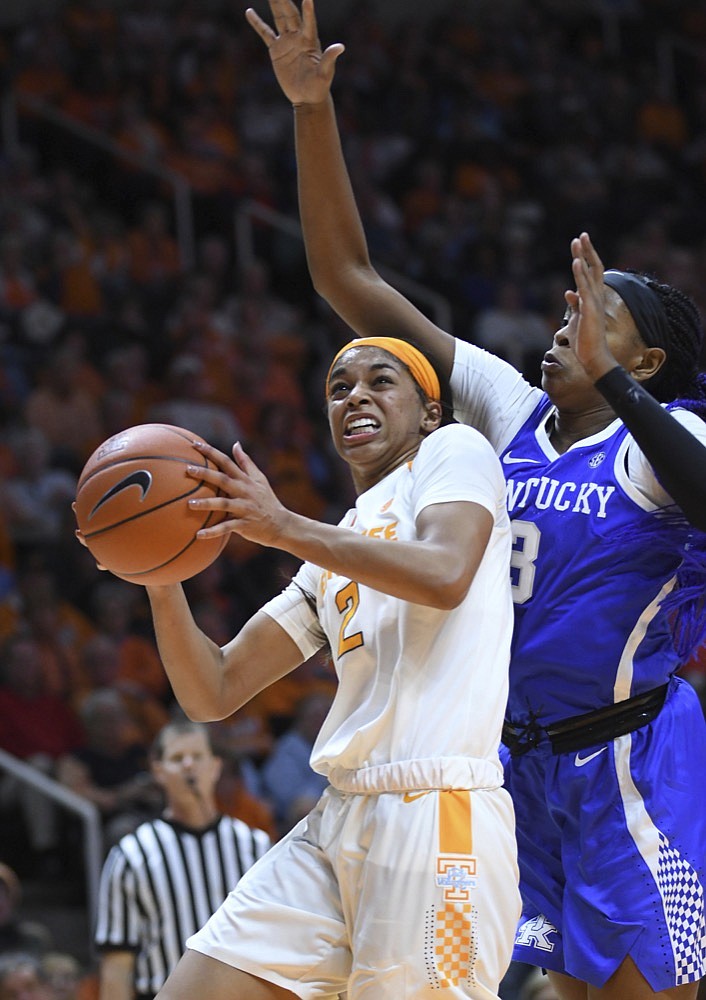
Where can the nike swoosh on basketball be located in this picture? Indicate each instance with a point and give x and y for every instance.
(580, 761)
(141, 478)
(509, 460)
(411, 796)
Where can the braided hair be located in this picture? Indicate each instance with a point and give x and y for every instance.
(679, 381)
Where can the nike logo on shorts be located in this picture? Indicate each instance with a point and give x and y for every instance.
(509, 460)
(580, 761)
(411, 796)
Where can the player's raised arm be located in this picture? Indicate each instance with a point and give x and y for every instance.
(335, 242)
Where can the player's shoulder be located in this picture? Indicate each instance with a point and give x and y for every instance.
(459, 438)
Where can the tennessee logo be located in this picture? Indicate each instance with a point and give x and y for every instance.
(141, 478)
(456, 876)
(386, 531)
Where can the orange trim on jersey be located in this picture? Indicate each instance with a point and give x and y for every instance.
(455, 836)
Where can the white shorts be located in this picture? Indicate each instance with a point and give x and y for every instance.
(388, 897)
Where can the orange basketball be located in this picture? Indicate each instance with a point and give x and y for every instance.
(132, 510)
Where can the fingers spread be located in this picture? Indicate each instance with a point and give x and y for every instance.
(285, 15)
(223, 462)
(308, 19)
(264, 30)
(243, 460)
(329, 58)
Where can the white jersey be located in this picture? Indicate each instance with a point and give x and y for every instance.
(422, 691)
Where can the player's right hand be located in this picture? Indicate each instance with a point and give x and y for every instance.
(79, 536)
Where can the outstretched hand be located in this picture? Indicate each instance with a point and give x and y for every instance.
(251, 508)
(587, 328)
(303, 71)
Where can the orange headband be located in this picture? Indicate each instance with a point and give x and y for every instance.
(420, 368)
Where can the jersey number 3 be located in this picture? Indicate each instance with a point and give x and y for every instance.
(525, 548)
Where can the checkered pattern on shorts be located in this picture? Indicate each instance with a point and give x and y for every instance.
(683, 897)
(451, 945)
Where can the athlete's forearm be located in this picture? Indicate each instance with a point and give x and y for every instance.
(434, 571)
(333, 231)
(677, 457)
(336, 246)
(193, 662)
(210, 682)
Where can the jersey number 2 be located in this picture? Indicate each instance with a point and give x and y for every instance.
(347, 601)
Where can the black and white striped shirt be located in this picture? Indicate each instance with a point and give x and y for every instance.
(161, 883)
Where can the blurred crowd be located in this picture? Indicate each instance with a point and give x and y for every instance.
(479, 140)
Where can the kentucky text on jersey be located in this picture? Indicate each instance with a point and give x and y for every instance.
(543, 493)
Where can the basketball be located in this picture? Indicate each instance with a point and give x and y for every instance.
(132, 506)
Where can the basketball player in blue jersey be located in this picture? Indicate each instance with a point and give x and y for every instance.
(606, 489)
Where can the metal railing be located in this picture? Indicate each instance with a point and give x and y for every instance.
(181, 189)
(93, 846)
(670, 48)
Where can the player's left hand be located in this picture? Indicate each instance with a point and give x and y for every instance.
(303, 71)
(79, 537)
(587, 328)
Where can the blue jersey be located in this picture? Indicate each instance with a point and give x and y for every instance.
(610, 838)
(589, 630)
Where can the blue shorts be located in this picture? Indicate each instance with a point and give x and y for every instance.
(612, 851)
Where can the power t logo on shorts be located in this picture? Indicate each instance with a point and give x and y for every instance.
(450, 930)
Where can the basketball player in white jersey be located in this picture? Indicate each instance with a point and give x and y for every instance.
(402, 881)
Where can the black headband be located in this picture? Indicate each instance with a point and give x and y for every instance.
(644, 305)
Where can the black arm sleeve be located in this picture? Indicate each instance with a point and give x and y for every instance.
(677, 457)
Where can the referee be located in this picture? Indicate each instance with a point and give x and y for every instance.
(162, 882)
